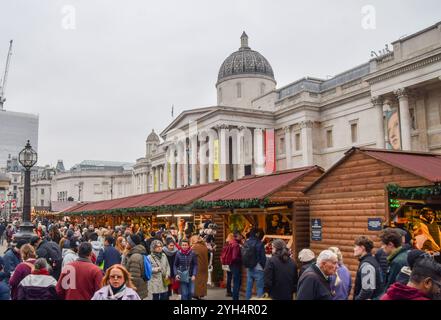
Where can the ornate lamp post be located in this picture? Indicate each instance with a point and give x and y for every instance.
(27, 158)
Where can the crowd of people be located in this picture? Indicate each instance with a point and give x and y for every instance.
(65, 261)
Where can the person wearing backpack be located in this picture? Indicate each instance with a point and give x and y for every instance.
(51, 252)
(134, 263)
(254, 259)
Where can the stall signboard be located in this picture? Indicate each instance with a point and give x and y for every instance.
(375, 224)
(316, 229)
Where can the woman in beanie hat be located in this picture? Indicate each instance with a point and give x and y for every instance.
(134, 263)
(280, 273)
(158, 283)
(39, 285)
(307, 258)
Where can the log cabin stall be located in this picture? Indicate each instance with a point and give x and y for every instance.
(367, 190)
(273, 202)
(149, 211)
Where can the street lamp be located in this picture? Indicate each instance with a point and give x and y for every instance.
(27, 158)
(10, 204)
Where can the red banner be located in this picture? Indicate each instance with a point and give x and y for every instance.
(270, 151)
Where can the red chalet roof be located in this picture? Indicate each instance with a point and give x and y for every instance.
(181, 196)
(258, 187)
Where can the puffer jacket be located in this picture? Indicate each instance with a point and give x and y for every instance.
(134, 263)
(69, 256)
(156, 284)
(37, 287)
(97, 246)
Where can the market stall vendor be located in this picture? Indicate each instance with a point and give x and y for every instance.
(426, 232)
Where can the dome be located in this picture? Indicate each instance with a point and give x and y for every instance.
(153, 137)
(245, 61)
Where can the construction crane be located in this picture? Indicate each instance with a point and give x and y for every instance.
(5, 77)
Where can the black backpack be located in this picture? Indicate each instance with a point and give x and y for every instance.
(249, 255)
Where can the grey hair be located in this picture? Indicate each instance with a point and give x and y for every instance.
(326, 255)
(41, 263)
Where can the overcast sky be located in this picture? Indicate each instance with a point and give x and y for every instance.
(101, 87)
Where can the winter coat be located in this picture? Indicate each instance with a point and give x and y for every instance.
(110, 256)
(313, 285)
(399, 291)
(397, 260)
(37, 287)
(103, 294)
(52, 253)
(236, 257)
(186, 262)
(200, 283)
(369, 279)
(156, 283)
(134, 263)
(97, 246)
(381, 257)
(4, 288)
(171, 255)
(305, 266)
(87, 280)
(343, 288)
(69, 256)
(260, 250)
(280, 278)
(11, 260)
(22, 270)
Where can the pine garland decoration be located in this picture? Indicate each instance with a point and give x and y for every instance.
(417, 193)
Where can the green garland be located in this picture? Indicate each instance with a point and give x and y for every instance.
(231, 204)
(130, 210)
(418, 193)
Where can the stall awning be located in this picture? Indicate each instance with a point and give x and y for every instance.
(176, 197)
(258, 187)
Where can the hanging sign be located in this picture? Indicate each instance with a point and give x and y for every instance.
(316, 229)
(375, 224)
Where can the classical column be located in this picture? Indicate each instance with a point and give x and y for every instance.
(259, 157)
(165, 170)
(173, 167)
(288, 152)
(240, 152)
(179, 162)
(223, 145)
(211, 158)
(403, 98)
(194, 158)
(185, 164)
(307, 148)
(202, 160)
(377, 102)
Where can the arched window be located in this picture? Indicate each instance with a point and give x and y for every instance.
(239, 89)
(262, 88)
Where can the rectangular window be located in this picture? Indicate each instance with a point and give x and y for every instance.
(297, 141)
(413, 122)
(282, 145)
(42, 203)
(15, 188)
(329, 142)
(354, 132)
(42, 192)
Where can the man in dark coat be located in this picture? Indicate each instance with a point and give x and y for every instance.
(391, 241)
(51, 251)
(12, 257)
(314, 284)
(109, 255)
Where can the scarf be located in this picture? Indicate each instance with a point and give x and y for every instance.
(168, 252)
(116, 293)
(158, 255)
(186, 252)
(40, 272)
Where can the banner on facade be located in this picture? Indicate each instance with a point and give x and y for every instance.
(155, 181)
(393, 129)
(216, 160)
(270, 152)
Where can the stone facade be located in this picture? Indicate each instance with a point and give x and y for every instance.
(392, 101)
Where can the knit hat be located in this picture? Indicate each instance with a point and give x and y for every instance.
(279, 244)
(133, 240)
(413, 256)
(306, 255)
(154, 244)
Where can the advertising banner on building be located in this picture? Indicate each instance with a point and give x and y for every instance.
(216, 173)
(270, 151)
(393, 129)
